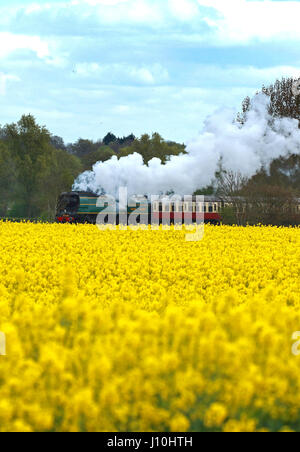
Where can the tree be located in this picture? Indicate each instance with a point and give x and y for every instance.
(100, 155)
(8, 179)
(205, 191)
(271, 205)
(271, 193)
(285, 172)
(283, 103)
(57, 142)
(231, 189)
(82, 148)
(246, 105)
(61, 172)
(153, 147)
(264, 199)
(117, 143)
(109, 138)
(29, 145)
(34, 171)
(126, 141)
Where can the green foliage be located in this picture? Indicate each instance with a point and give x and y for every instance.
(109, 138)
(32, 171)
(117, 143)
(228, 215)
(205, 191)
(59, 177)
(82, 148)
(100, 155)
(35, 166)
(90, 152)
(153, 147)
(8, 179)
(29, 146)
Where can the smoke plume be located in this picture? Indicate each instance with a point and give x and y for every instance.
(243, 149)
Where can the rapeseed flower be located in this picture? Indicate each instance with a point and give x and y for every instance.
(143, 331)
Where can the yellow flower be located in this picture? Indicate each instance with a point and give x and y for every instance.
(179, 423)
(215, 415)
(140, 330)
(242, 426)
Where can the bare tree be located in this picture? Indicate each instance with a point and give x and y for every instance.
(271, 204)
(283, 102)
(230, 189)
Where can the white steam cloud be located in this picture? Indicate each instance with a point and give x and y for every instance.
(243, 149)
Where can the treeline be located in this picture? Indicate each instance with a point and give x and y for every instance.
(35, 166)
(269, 199)
(90, 152)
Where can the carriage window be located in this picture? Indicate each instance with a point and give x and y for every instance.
(188, 207)
(155, 207)
(204, 208)
(210, 208)
(166, 207)
(216, 208)
(178, 207)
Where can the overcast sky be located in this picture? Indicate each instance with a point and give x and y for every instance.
(87, 67)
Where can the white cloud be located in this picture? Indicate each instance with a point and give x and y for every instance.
(229, 21)
(243, 75)
(221, 22)
(88, 69)
(147, 64)
(121, 109)
(142, 75)
(134, 11)
(146, 75)
(10, 42)
(240, 21)
(151, 75)
(183, 9)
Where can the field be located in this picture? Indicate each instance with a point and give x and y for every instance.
(144, 331)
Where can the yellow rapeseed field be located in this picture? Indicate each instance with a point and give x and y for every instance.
(144, 331)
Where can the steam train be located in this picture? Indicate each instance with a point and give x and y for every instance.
(82, 207)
